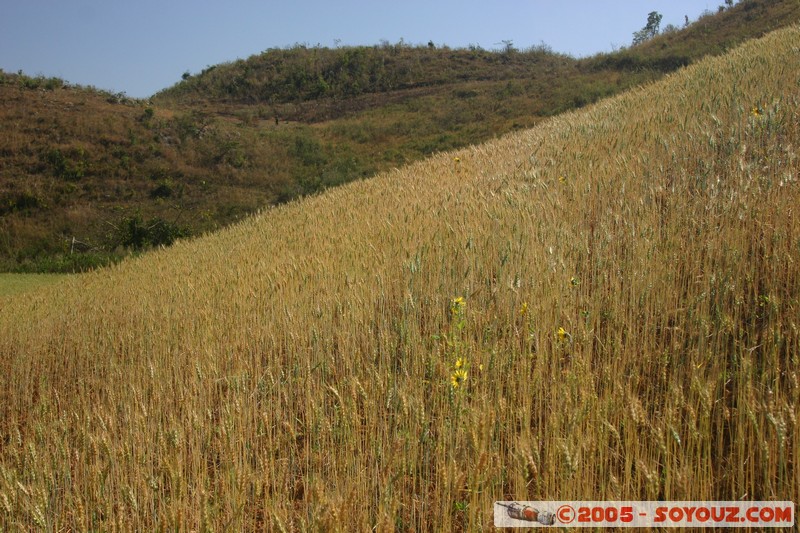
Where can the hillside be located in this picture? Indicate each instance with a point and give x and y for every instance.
(86, 175)
(603, 307)
(329, 78)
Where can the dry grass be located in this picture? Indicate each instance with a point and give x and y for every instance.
(294, 371)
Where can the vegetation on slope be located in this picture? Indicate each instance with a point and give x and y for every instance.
(303, 73)
(85, 175)
(603, 307)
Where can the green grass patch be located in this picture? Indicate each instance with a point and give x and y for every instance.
(17, 283)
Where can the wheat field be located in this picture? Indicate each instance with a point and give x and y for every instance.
(604, 307)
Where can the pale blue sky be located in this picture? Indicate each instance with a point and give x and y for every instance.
(140, 47)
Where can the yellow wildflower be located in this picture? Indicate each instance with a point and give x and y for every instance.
(562, 334)
(524, 308)
(459, 363)
(458, 378)
(457, 305)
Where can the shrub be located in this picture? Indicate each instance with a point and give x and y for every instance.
(21, 201)
(163, 233)
(162, 190)
(134, 233)
(71, 166)
(66, 263)
(148, 114)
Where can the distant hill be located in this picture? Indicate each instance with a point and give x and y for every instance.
(86, 176)
(330, 76)
(302, 74)
(604, 307)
